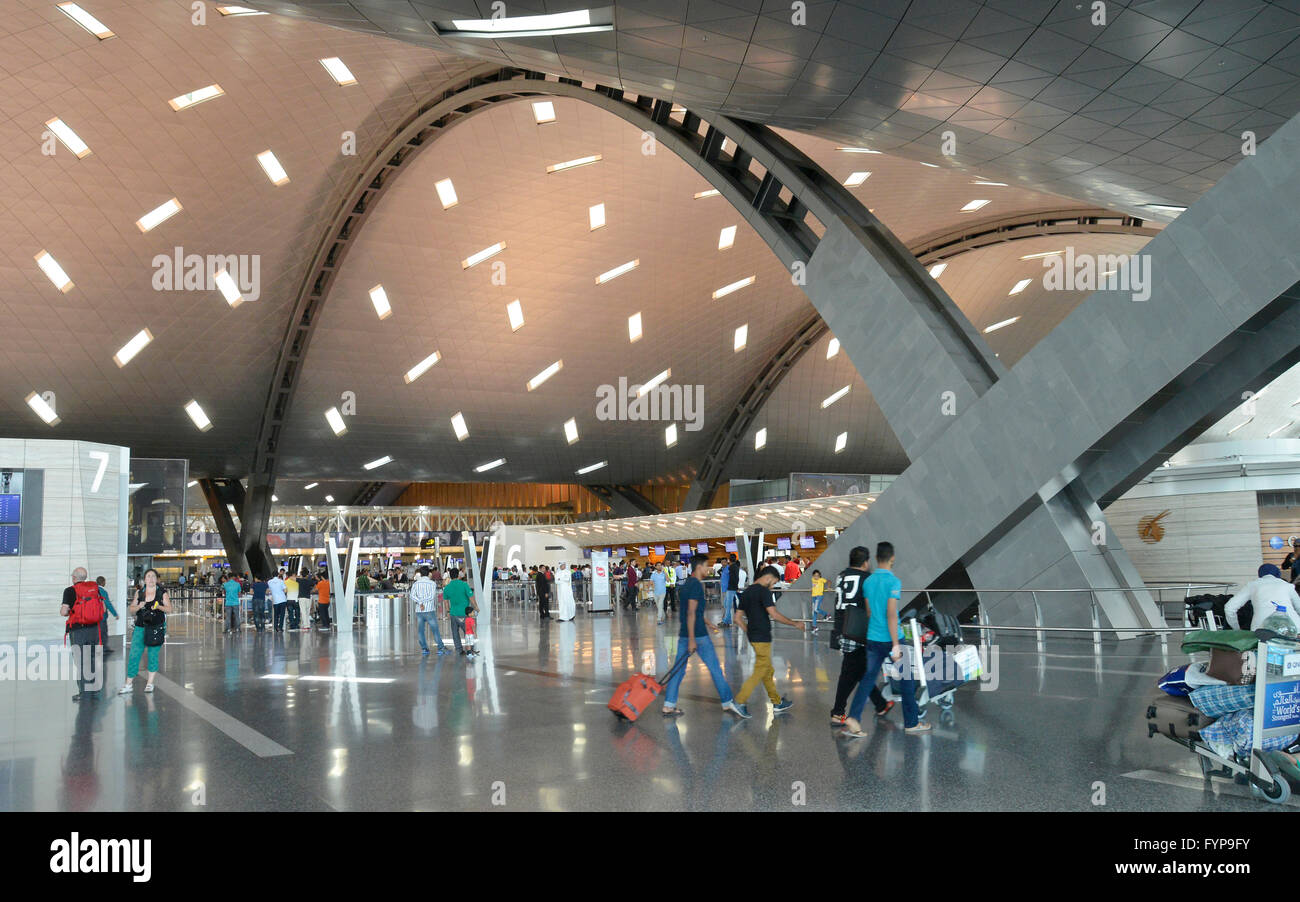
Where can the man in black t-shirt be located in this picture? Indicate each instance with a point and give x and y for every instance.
(756, 613)
(849, 587)
(306, 585)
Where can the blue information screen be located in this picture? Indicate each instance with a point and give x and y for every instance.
(783, 544)
(807, 542)
(731, 546)
(702, 547)
(11, 508)
(684, 550)
(9, 539)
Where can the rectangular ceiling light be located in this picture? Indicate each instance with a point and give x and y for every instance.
(1168, 208)
(229, 288)
(311, 485)
(570, 430)
(42, 409)
(198, 416)
(458, 426)
(194, 98)
(832, 348)
(578, 21)
(1019, 287)
(937, 270)
(617, 271)
(271, 166)
(515, 311)
(1270, 435)
(742, 337)
(734, 286)
(712, 192)
(545, 374)
(1240, 425)
(490, 465)
(726, 238)
(239, 11)
(85, 20)
(760, 439)
(592, 468)
(158, 215)
(856, 178)
(996, 326)
(653, 383)
(335, 419)
(339, 72)
(446, 193)
(422, 367)
(574, 164)
(376, 464)
(835, 397)
(379, 298)
(544, 111)
(275, 498)
(68, 137)
(1042, 255)
(670, 435)
(856, 150)
(133, 347)
(329, 499)
(596, 216)
(634, 327)
(53, 271)
(486, 253)
(973, 206)
(931, 165)
(990, 184)
(841, 442)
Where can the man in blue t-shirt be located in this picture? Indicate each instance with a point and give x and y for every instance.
(884, 594)
(694, 637)
(232, 588)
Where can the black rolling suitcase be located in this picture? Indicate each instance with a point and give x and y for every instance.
(946, 627)
(1201, 608)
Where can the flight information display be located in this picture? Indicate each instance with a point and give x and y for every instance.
(11, 508)
(9, 539)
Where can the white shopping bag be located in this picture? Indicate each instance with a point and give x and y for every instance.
(967, 658)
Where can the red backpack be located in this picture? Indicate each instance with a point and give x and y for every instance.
(88, 609)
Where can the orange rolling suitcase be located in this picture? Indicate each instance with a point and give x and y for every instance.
(633, 697)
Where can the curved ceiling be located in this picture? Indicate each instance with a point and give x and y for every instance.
(1145, 107)
(114, 94)
(278, 96)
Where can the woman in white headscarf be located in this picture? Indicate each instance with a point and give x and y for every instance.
(564, 591)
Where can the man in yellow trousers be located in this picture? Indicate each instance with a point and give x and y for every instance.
(757, 611)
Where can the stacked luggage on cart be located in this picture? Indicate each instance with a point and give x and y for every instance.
(947, 663)
(1206, 612)
(1233, 711)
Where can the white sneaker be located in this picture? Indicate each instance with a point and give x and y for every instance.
(126, 690)
(148, 687)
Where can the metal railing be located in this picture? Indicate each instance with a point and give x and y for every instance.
(988, 631)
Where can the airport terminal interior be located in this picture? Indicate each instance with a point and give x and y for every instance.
(453, 405)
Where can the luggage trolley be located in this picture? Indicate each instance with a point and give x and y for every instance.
(930, 638)
(1276, 713)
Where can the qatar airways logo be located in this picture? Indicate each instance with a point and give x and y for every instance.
(237, 276)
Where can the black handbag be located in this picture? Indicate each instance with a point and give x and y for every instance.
(155, 636)
(856, 618)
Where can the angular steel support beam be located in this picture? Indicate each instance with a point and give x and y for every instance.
(1226, 266)
(219, 493)
(624, 501)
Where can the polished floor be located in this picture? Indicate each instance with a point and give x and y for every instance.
(362, 721)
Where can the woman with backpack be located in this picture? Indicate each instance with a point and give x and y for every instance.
(150, 607)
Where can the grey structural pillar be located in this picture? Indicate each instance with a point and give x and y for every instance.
(219, 493)
(1098, 388)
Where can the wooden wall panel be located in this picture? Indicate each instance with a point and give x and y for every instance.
(1283, 522)
(487, 495)
(1207, 537)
